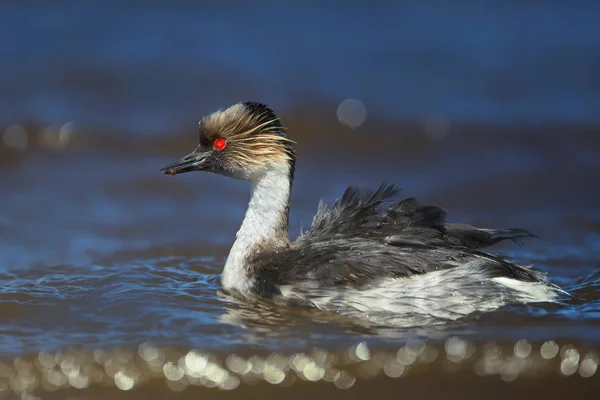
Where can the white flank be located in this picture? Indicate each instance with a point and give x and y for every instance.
(424, 299)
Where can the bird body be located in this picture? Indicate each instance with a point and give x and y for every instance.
(368, 254)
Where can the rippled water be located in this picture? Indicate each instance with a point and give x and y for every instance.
(100, 252)
(109, 270)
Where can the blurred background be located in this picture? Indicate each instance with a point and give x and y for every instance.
(489, 109)
(481, 106)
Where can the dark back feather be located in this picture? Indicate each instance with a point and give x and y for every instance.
(367, 235)
(376, 216)
(358, 213)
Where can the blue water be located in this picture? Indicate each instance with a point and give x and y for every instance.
(145, 67)
(98, 250)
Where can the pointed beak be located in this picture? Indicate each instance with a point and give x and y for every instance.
(196, 161)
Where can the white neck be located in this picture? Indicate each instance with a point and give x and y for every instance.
(266, 218)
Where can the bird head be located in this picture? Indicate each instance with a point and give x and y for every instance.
(243, 142)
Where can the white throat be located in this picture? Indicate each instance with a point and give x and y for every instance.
(266, 218)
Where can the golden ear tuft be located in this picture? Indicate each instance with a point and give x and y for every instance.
(253, 133)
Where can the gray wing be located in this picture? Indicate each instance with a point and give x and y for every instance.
(375, 216)
(366, 235)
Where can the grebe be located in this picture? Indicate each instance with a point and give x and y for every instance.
(365, 255)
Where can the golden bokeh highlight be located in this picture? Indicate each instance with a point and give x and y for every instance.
(129, 369)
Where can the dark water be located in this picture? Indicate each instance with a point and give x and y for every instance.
(110, 270)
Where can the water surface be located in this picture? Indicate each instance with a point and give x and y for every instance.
(110, 270)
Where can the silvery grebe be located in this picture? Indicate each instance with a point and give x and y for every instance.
(364, 255)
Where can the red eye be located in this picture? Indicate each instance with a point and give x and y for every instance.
(220, 144)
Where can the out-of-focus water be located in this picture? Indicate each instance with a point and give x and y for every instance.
(109, 270)
(145, 66)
